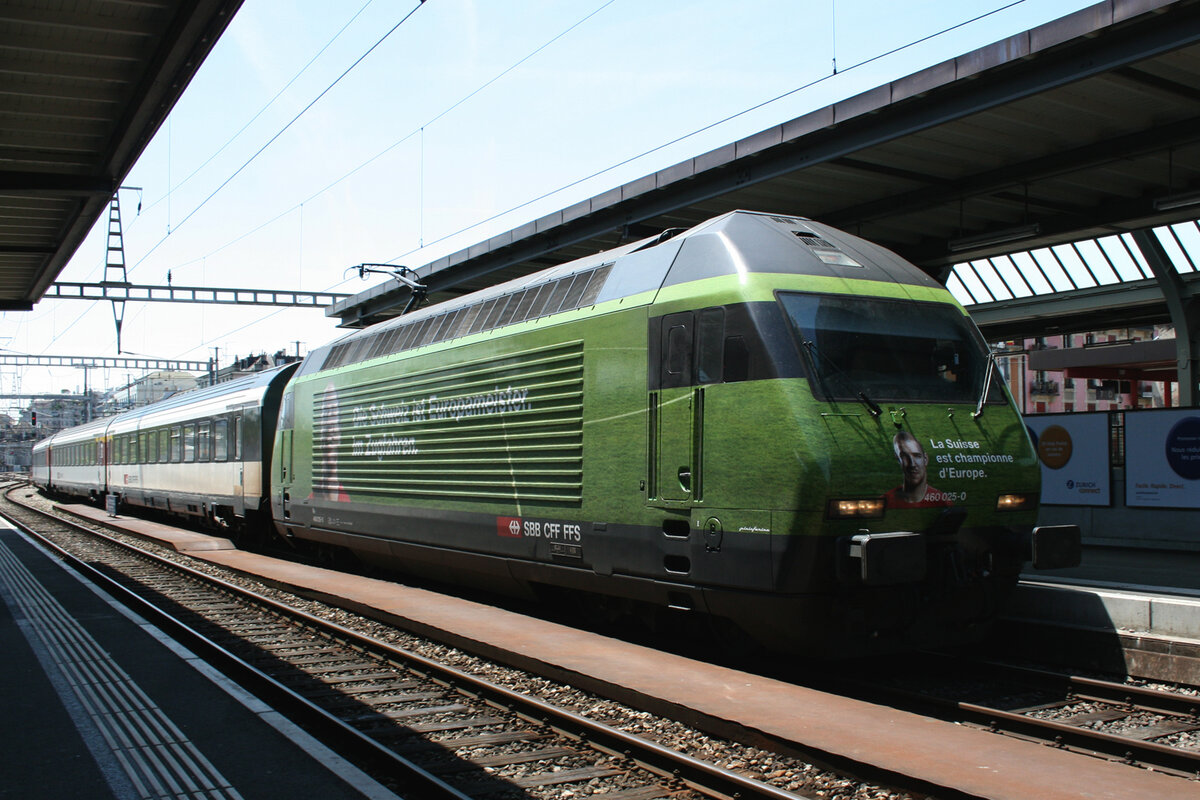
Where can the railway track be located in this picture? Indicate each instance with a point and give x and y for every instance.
(1137, 725)
(470, 737)
(420, 727)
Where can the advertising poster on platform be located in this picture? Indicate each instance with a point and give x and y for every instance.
(1073, 452)
(1162, 458)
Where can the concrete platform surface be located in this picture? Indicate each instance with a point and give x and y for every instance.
(98, 704)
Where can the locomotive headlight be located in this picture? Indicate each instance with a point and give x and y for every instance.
(1016, 502)
(857, 508)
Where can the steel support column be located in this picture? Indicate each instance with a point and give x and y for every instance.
(1185, 314)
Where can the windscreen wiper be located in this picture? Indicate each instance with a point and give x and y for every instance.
(987, 384)
(814, 355)
(872, 406)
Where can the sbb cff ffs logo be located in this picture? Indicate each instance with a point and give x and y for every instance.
(556, 531)
(509, 527)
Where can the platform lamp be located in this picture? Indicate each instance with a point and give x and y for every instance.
(1172, 201)
(1003, 236)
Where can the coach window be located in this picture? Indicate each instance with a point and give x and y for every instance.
(143, 448)
(164, 448)
(237, 438)
(203, 433)
(151, 454)
(189, 442)
(176, 444)
(134, 453)
(221, 440)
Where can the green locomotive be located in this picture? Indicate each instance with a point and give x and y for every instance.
(762, 420)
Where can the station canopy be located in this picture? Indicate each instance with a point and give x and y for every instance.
(84, 86)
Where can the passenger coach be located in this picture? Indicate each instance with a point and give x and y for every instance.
(200, 453)
(72, 460)
(197, 454)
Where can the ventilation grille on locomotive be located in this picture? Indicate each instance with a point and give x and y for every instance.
(495, 430)
(565, 294)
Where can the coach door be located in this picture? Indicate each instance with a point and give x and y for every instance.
(677, 414)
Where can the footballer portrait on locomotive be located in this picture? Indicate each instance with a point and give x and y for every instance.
(914, 491)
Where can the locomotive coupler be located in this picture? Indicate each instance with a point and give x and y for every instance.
(1056, 546)
(886, 559)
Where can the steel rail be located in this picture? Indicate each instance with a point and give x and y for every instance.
(1063, 734)
(358, 747)
(701, 776)
(1085, 688)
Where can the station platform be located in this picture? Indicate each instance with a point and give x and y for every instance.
(97, 703)
(1135, 610)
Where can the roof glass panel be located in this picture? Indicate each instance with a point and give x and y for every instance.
(1186, 238)
(1121, 258)
(1014, 279)
(1032, 270)
(1105, 261)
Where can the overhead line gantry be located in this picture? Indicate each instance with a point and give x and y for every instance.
(103, 362)
(148, 293)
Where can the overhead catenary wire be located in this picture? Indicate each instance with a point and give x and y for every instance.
(423, 245)
(279, 133)
(711, 125)
(284, 129)
(171, 189)
(418, 131)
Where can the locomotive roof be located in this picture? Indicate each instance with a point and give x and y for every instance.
(733, 243)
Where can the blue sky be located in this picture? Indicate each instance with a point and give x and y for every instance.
(464, 112)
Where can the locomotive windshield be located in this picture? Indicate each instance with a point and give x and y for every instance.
(891, 350)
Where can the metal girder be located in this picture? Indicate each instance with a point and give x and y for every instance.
(43, 397)
(1077, 310)
(190, 294)
(101, 362)
(116, 69)
(1121, 147)
(56, 184)
(1185, 314)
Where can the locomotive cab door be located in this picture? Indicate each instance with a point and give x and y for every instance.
(285, 472)
(674, 467)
